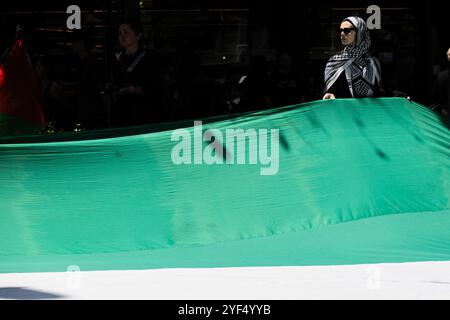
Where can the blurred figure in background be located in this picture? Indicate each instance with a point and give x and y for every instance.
(137, 80)
(90, 76)
(58, 103)
(254, 87)
(286, 87)
(441, 91)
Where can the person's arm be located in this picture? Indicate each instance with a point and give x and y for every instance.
(330, 94)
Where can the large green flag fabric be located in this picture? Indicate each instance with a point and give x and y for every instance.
(343, 181)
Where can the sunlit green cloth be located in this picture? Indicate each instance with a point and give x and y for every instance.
(359, 181)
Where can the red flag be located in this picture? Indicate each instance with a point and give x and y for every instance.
(20, 95)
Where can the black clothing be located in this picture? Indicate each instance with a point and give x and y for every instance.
(140, 70)
(91, 108)
(254, 92)
(340, 89)
(286, 88)
(441, 93)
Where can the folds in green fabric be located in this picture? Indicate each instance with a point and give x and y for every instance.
(359, 181)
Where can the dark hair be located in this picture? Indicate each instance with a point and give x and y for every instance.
(134, 24)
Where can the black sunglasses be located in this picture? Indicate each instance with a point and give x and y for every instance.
(346, 30)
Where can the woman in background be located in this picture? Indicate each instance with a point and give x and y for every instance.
(137, 79)
(353, 72)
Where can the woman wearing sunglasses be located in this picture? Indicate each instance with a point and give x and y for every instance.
(352, 72)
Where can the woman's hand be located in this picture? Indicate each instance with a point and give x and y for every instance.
(328, 96)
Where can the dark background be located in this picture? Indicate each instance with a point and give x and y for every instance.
(207, 39)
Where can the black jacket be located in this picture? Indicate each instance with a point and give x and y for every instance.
(341, 90)
(441, 93)
(134, 109)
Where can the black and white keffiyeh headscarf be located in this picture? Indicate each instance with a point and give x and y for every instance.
(362, 71)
